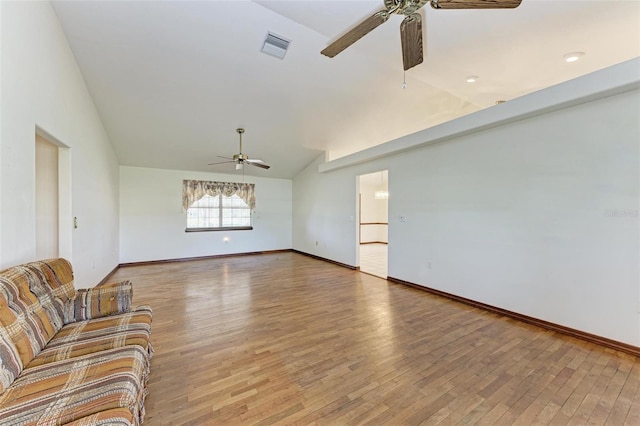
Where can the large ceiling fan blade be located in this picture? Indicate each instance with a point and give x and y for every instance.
(356, 33)
(226, 158)
(258, 163)
(411, 37)
(221, 162)
(475, 4)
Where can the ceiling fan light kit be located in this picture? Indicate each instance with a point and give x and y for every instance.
(411, 26)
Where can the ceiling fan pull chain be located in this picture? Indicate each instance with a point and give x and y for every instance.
(404, 79)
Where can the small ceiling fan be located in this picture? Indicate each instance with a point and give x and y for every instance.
(411, 26)
(241, 159)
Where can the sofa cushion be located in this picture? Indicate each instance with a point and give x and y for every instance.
(69, 390)
(99, 301)
(59, 277)
(10, 360)
(24, 291)
(81, 338)
(113, 417)
(52, 283)
(19, 331)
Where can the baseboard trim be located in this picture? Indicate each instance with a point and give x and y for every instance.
(218, 256)
(591, 338)
(344, 265)
(184, 259)
(189, 259)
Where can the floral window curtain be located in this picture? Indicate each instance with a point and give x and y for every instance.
(193, 190)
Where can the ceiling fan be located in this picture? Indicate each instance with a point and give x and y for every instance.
(241, 159)
(411, 26)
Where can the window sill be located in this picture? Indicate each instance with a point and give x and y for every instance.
(228, 228)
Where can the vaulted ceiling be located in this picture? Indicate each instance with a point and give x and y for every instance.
(173, 80)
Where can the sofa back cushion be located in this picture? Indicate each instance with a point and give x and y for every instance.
(52, 282)
(38, 315)
(11, 333)
(58, 276)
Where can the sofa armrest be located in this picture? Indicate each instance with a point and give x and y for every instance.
(99, 301)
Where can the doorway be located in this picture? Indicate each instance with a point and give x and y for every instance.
(373, 223)
(47, 232)
(53, 229)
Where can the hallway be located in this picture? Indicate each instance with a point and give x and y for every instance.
(373, 259)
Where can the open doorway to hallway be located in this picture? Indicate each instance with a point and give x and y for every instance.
(53, 227)
(47, 209)
(373, 223)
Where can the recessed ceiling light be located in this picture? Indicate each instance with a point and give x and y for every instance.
(573, 56)
(472, 78)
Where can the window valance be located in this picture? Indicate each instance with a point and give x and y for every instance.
(193, 190)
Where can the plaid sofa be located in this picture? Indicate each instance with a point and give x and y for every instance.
(70, 356)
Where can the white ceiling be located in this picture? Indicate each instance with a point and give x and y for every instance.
(173, 80)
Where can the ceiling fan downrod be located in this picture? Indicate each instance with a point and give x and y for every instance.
(240, 157)
(240, 131)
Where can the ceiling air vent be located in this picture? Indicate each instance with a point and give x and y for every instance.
(275, 45)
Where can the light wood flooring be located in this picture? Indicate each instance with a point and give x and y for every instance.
(373, 259)
(282, 338)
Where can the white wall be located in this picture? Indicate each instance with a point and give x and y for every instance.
(42, 87)
(152, 222)
(324, 212)
(537, 216)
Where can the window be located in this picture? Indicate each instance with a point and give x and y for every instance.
(218, 212)
(213, 206)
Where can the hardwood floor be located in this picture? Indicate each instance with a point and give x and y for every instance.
(286, 339)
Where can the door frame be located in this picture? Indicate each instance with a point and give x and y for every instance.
(65, 222)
